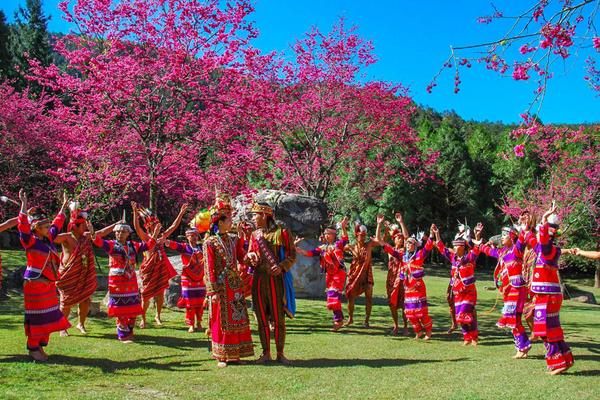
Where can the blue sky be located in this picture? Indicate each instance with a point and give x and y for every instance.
(412, 40)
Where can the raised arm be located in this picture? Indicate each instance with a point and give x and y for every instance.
(25, 236)
(400, 220)
(10, 223)
(136, 222)
(435, 232)
(177, 221)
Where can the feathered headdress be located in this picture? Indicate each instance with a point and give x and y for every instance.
(77, 216)
(201, 221)
(395, 231)
(359, 229)
(148, 217)
(417, 240)
(463, 236)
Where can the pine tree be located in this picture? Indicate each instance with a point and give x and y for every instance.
(29, 37)
(5, 56)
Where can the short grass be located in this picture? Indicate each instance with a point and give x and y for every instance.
(355, 363)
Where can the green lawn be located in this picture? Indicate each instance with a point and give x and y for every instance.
(355, 363)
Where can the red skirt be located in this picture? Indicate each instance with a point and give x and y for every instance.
(193, 293)
(123, 296)
(546, 322)
(230, 327)
(42, 312)
(415, 301)
(155, 272)
(335, 283)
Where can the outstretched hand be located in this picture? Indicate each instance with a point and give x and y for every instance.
(298, 240)
(156, 231)
(380, 219)
(399, 217)
(345, 222)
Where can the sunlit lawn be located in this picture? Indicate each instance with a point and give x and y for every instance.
(355, 363)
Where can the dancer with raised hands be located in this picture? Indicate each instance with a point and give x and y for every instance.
(42, 309)
(124, 300)
(156, 269)
(411, 273)
(394, 285)
(511, 283)
(331, 257)
(360, 275)
(193, 288)
(463, 257)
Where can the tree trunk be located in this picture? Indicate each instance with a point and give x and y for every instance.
(597, 277)
(153, 194)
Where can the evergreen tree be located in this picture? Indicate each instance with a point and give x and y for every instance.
(30, 38)
(5, 56)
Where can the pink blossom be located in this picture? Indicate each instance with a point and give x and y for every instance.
(519, 150)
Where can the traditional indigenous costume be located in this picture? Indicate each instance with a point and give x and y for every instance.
(229, 323)
(77, 273)
(193, 289)
(42, 311)
(246, 271)
(394, 285)
(509, 278)
(331, 257)
(155, 270)
(360, 275)
(415, 292)
(124, 302)
(462, 281)
(545, 284)
(274, 247)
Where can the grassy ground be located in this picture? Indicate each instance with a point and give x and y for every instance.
(355, 363)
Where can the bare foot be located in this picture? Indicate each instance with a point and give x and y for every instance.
(349, 322)
(263, 359)
(366, 324)
(221, 364)
(337, 326)
(394, 331)
(127, 341)
(191, 329)
(466, 342)
(44, 353)
(474, 343)
(418, 336)
(452, 329)
(142, 324)
(427, 337)
(557, 371)
(37, 356)
(81, 329)
(158, 321)
(283, 360)
(64, 333)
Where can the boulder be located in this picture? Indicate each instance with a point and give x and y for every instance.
(173, 292)
(303, 215)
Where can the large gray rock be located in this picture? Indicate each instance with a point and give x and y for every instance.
(173, 292)
(304, 216)
(309, 281)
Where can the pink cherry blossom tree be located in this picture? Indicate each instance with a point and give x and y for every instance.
(141, 79)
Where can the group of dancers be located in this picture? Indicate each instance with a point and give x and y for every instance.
(222, 266)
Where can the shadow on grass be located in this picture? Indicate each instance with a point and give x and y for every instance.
(112, 366)
(192, 343)
(372, 363)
